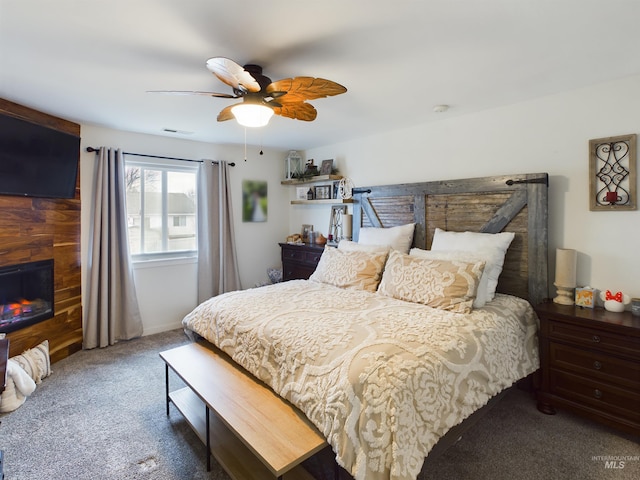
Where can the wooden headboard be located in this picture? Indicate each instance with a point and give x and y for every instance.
(510, 203)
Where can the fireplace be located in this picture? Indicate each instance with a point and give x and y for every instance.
(26, 294)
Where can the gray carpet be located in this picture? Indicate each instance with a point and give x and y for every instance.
(101, 415)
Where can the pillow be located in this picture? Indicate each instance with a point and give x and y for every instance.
(444, 284)
(399, 238)
(493, 244)
(359, 270)
(470, 257)
(349, 246)
(35, 361)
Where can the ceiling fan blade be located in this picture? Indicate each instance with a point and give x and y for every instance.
(232, 74)
(297, 110)
(225, 114)
(190, 92)
(299, 89)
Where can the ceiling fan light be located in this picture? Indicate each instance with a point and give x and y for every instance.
(252, 115)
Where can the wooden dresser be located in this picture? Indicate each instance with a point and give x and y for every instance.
(590, 364)
(299, 260)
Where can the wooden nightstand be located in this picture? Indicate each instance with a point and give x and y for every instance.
(299, 260)
(590, 364)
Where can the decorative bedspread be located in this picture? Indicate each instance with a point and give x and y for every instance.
(382, 379)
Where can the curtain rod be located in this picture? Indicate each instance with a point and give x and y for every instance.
(96, 150)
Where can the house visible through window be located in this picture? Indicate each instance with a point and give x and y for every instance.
(161, 209)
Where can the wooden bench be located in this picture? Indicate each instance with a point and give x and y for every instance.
(253, 433)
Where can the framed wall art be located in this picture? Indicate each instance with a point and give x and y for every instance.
(322, 192)
(254, 201)
(326, 167)
(612, 173)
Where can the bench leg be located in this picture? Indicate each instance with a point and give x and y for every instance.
(208, 442)
(166, 385)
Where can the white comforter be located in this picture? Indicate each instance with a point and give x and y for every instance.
(382, 379)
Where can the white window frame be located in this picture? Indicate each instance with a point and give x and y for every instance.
(163, 165)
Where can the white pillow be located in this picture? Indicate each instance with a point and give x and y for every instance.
(494, 245)
(349, 246)
(487, 257)
(398, 238)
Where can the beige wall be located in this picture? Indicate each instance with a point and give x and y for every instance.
(550, 135)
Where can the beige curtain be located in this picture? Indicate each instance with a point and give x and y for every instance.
(112, 312)
(217, 259)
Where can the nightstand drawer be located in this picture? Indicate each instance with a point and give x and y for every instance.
(604, 368)
(601, 396)
(312, 257)
(592, 338)
(293, 254)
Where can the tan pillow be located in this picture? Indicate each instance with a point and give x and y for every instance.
(359, 270)
(35, 361)
(444, 284)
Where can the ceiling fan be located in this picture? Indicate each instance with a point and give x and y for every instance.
(262, 98)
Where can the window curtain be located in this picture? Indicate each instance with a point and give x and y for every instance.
(217, 260)
(112, 311)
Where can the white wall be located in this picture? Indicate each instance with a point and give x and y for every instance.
(550, 135)
(167, 290)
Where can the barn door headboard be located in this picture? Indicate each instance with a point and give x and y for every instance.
(511, 203)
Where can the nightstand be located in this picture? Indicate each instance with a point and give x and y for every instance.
(590, 364)
(299, 261)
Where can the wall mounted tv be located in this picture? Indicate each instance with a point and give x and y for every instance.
(37, 161)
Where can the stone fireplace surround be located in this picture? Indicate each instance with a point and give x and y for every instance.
(34, 229)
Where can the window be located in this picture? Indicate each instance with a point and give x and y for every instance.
(161, 210)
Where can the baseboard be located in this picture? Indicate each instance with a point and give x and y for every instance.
(161, 328)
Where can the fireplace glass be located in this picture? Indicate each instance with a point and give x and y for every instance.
(26, 294)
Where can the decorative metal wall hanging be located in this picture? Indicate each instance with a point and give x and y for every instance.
(612, 173)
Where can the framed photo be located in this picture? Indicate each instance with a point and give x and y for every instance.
(326, 167)
(306, 230)
(322, 192)
(301, 193)
(585, 297)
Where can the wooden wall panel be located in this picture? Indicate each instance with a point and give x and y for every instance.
(34, 229)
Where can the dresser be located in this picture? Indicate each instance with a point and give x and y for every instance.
(299, 260)
(590, 364)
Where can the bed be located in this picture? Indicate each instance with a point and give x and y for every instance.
(386, 351)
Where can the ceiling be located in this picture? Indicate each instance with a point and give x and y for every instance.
(93, 61)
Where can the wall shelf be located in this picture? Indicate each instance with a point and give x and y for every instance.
(324, 201)
(315, 179)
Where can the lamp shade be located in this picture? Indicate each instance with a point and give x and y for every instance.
(252, 115)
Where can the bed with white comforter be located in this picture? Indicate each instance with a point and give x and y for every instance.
(383, 379)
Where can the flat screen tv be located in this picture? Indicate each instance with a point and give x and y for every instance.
(37, 161)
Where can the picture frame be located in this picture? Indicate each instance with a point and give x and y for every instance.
(612, 173)
(322, 192)
(301, 193)
(335, 222)
(306, 232)
(585, 297)
(326, 167)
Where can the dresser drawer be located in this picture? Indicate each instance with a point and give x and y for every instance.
(599, 395)
(594, 338)
(602, 367)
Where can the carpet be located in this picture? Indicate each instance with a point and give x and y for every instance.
(101, 415)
